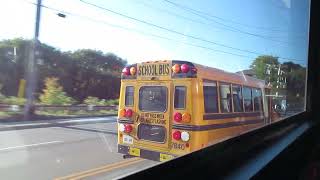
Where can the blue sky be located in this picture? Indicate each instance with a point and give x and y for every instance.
(231, 26)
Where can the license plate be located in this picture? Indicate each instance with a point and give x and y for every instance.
(127, 139)
(134, 151)
(165, 157)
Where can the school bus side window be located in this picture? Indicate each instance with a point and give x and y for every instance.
(180, 97)
(257, 99)
(248, 106)
(129, 96)
(237, 98)
(225, 98)
(210, 97)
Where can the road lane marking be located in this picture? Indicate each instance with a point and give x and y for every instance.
(99, 170)
(105, 141)
(30, 145)
(30, 124)
(87, 120)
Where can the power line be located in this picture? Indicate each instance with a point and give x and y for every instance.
(174, 14)
(227, 27)
(223, 19)
(224, 28)
(144, 33)
(179, 33)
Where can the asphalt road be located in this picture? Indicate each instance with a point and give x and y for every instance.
(84, 148)
(60, 151)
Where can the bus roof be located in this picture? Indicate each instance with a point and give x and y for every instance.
(210, 73)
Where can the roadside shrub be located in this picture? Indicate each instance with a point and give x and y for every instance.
(12, 100)
(90, 100)
(53, 94)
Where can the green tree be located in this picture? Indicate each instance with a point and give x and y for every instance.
(53, 93)
(292, 76)
(96, 74)
(265, 67)
(81, 73)
(12, 66)
(296, 82)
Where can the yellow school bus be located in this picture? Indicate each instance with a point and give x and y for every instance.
(170, 108)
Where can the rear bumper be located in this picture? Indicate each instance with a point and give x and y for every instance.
(146, 154)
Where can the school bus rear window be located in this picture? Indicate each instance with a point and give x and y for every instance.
(129, 96)
(153, 98)
(180, 97)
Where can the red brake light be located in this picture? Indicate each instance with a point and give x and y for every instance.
(129, 113)
(127, 128)
(176, 135)
(177, 117)
(126, 71)
(185, 68)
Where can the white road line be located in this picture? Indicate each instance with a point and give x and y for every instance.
(30, 124)
(85, 120)
(30, 145)
(106, 141)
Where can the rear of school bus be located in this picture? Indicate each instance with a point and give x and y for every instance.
(153, 97)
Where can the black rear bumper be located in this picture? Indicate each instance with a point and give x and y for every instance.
(145, 154)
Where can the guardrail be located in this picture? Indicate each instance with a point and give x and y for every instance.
(16, 108)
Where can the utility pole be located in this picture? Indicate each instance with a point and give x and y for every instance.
(31, 67)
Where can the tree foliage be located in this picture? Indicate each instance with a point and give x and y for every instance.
(53, 94)
(268, 67)
(265, 68)
(81, 73)
(296, 80)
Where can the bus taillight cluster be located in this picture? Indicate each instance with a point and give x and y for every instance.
(126, 113)
(185, 117)
(183, 68)
(129, 71)
(178, 135)
(181, 135)
(127, 128)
